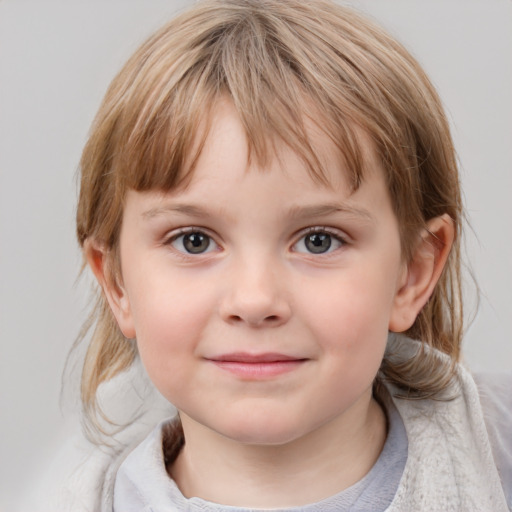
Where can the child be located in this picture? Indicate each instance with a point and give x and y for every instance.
(270, 203)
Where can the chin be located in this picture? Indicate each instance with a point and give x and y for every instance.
(261, 431)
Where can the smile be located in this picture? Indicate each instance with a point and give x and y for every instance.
(257, 366)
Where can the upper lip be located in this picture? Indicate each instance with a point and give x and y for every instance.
(243, 357)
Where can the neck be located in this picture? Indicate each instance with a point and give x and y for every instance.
(306, 470)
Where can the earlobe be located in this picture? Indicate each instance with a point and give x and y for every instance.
(99, 261)
(421, 274)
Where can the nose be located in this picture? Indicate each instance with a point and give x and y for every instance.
(256, 296)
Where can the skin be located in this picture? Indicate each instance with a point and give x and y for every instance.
(258, 289)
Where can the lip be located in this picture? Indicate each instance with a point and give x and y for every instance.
(257, 366)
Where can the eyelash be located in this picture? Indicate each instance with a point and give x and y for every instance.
(173, 238)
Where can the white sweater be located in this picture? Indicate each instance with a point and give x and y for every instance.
(450, 464)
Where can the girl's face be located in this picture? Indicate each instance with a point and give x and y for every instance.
(260, 299)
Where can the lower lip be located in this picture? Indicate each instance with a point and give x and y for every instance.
(259, 370)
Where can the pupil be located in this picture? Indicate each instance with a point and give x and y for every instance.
(318, 243)
(196, 243)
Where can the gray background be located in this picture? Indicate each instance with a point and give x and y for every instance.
(56, 59)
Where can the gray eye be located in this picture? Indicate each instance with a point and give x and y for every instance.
(193, 243)
(318, 243)
(196, 243)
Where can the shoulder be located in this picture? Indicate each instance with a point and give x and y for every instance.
(81, 476)
(72, 479)
(495, 392)
(459, 444)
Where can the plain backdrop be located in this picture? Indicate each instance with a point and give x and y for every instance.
(56, 60)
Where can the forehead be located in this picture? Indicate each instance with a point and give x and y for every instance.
(323, 163)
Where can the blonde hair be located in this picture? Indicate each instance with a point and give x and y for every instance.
(269, 57)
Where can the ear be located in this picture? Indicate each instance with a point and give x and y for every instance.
(422, 272)
(99, 259)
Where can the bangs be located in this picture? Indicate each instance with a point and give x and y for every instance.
(167, 107)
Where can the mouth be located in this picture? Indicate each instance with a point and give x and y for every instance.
(257, 366)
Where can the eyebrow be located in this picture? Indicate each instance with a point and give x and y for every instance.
(185, 209)
(295, 212)
(322, 210)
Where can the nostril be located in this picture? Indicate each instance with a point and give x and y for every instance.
(270, 319)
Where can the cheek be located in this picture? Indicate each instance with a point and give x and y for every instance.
(352, 304)
(169, 318)
(349, 317)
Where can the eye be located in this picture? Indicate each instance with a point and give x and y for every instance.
(318, 242)
(193, 242)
